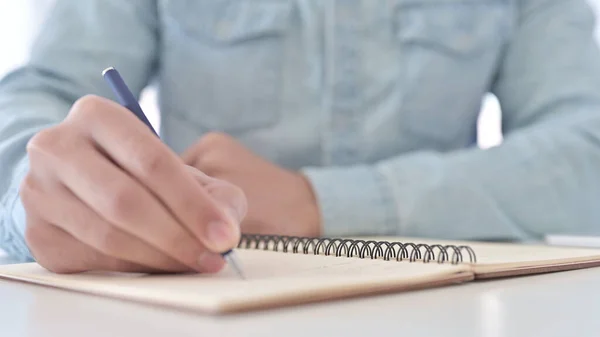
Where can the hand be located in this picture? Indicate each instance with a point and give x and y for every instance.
(104, 193)
(279, 201)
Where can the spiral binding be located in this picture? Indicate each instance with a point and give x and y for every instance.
(358, 248)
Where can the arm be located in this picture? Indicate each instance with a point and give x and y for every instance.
(544, 178)
(79, 40)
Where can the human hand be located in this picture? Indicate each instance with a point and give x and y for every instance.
(104, 193)
(280, 201)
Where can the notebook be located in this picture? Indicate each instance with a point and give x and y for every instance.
(285, 271)
(496, 260)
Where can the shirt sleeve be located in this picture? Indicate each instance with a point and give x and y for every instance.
(544, 177)
(77, 42)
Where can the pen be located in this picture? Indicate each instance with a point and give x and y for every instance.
(126, 98)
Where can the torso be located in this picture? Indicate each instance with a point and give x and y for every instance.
(312, 82)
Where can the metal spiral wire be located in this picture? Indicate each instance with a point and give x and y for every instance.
(359, 248)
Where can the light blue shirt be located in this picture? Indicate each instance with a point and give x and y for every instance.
(375, 101)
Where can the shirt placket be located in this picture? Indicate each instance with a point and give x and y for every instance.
(343, 144)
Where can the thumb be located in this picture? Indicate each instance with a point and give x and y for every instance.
(227, 195)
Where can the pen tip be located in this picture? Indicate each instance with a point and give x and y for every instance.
(235, 265)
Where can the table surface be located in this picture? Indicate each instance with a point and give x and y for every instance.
(557, 304)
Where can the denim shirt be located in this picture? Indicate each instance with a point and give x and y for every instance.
(375, 101)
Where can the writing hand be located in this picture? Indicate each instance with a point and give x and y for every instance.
(104, 193)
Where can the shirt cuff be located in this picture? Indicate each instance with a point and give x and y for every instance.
(13, 218)
(353, 201)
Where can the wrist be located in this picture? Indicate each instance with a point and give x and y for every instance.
(353, 201)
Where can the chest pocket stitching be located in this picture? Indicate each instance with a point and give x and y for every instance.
(458, 27)
(231, 21)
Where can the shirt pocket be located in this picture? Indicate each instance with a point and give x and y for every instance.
(448, 51)
(232, 59)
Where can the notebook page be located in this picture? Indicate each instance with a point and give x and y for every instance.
(273, 279)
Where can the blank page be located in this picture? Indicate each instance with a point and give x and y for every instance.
(272, 279)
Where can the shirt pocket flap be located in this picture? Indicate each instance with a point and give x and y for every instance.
(450, 26)
(232, 21)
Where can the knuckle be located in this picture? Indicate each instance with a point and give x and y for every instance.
(42, 141)
(27, 191)
(54, 142)
(215, 149)
(151, 164)
(207, 164)
(120, 205)
(87, 106)
(210, 162)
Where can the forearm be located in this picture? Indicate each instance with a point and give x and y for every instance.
(541, 180)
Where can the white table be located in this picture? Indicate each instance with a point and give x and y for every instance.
(559, 304)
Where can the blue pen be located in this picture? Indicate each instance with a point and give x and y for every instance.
(126, 98)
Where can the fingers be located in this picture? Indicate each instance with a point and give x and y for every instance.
(59, 252)
(102, 187)
(84, 225)
(115, 196)
(137, 151)
(127, 205)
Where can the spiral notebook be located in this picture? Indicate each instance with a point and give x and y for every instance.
(284, 271)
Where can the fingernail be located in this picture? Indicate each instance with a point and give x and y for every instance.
(210, 262)
(222, 236)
